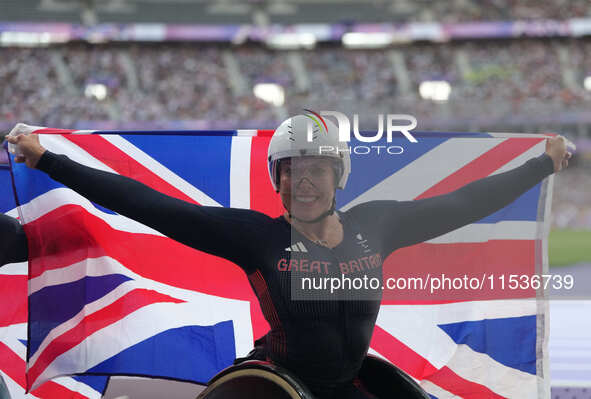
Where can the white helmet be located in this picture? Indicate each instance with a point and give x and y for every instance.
(308, 135)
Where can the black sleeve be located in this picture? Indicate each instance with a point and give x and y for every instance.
(405, 223)
(13, 241)
(225, 232)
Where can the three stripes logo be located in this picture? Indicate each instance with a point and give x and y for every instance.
(297, 247)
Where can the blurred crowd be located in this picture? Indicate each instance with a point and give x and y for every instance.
(30, 91)
(499, 80)
(162, 85)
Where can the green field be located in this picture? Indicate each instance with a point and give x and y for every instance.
(567, 247)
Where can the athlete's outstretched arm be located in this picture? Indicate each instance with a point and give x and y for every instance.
(410, 222)
(431, 217)
(220, 231)
(13, 241)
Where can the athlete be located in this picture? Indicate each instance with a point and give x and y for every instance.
(323, 340)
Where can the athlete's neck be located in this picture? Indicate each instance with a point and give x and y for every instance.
(327, 232)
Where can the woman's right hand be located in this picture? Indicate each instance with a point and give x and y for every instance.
(29, 148)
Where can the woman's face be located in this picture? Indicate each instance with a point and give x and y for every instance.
(307, 186)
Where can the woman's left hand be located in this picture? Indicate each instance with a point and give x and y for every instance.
(29, 147)
(556, 149)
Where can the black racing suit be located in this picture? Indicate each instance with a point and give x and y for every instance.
(13, 241)
(322, 341)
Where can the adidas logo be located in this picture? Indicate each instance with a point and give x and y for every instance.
(297, 247)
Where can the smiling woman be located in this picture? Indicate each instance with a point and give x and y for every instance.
(307, 186)
(306, 180)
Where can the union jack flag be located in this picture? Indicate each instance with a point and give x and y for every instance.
(108, 295)
(13, 326)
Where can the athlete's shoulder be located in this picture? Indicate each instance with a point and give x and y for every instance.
(241, 215)
(371, 208)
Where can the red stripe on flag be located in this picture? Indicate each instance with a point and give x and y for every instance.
(69, 234)
(100, 319)
(482, 166)
(12, 364)
(420, 368)
(401, 355)
(125, 165)
(260, 326)
(265, 133)
(451, 382)
(489, 262)
(54, 131)
(14, 367)
(54, 390)
(13, 308)
(262, 196)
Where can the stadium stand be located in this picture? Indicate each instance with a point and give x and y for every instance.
(519, 83)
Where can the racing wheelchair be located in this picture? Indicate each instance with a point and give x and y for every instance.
(260, 379)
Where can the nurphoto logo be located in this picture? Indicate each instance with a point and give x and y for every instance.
(392, 127)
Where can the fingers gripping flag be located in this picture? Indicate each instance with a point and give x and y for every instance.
(108, 295)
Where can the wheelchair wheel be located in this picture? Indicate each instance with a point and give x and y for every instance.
(255, 379)
(385, 380)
